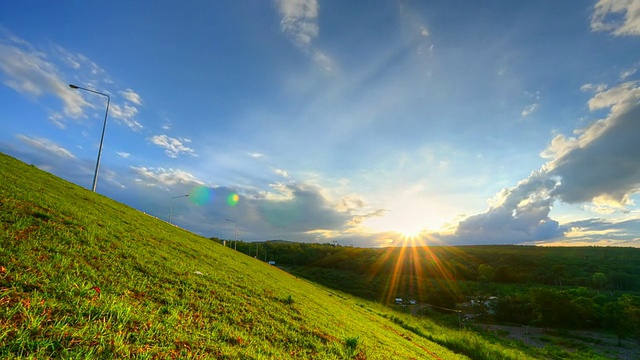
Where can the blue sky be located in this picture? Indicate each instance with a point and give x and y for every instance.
(362, 123)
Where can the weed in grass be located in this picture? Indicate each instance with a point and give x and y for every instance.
(352, 342)
(289, 300)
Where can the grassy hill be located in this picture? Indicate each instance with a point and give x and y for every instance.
(82, 276)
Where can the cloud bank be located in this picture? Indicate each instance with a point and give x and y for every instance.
(620, 17)
(599, 164)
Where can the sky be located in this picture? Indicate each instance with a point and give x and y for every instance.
(365, 123)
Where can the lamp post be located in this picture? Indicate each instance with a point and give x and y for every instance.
(235, 243)
(104, 126)
(171, 208)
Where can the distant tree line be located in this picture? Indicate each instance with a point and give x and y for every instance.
(592, 267)
(561, 287)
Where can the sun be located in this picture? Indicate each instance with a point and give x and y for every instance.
(401, 228)
(410, 232)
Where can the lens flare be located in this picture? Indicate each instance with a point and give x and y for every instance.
(233, 199)
(201, 195)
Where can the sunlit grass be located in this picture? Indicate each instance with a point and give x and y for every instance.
(82, 276)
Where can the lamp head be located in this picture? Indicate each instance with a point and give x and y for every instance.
(73, 86)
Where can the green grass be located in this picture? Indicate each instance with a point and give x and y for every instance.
(82, 276)
(85, 277)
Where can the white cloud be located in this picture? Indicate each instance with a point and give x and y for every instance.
(519, 214)
(624, 75)
(173, 147)
(132, 96)
(528, 110)
(620, 17)
(46, 145)
(599, 165)
(32, 72)
(255, 155)
(78, 61)
(323, 60)
(125, 114)
(593, 87)
(299, 22)
(600, 232)
(618, 98)
(124, 155)
(150, 176)
(281, 172)
(57, 120)
(27, 72)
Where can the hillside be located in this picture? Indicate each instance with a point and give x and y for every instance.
(82, 276)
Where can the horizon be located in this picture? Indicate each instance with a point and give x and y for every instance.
(370, 125)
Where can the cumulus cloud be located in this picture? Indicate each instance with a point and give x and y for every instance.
(619, 98)
(126, 115)
(359, 219)
(27, 71)
(599, 232)
(351, 203)
(302, 210)
(173, 147)
(598, 165)
(519, 214)
(46, 145)
(33, 72)
(132, 96)
(281, 172)
(601, 162)
(593, 87)
(162, 177)
(47, 155)
(620, 17)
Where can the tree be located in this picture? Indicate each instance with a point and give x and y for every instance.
(599, 280)
(623, 317)
(486, 272)
(558, 273)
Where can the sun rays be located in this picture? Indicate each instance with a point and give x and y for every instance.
(413, 267)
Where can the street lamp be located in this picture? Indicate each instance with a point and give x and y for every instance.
(171, 208)
(104, 126)
(235, 244)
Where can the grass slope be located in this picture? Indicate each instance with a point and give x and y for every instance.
(82, 276)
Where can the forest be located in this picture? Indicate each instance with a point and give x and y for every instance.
(593, 288)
